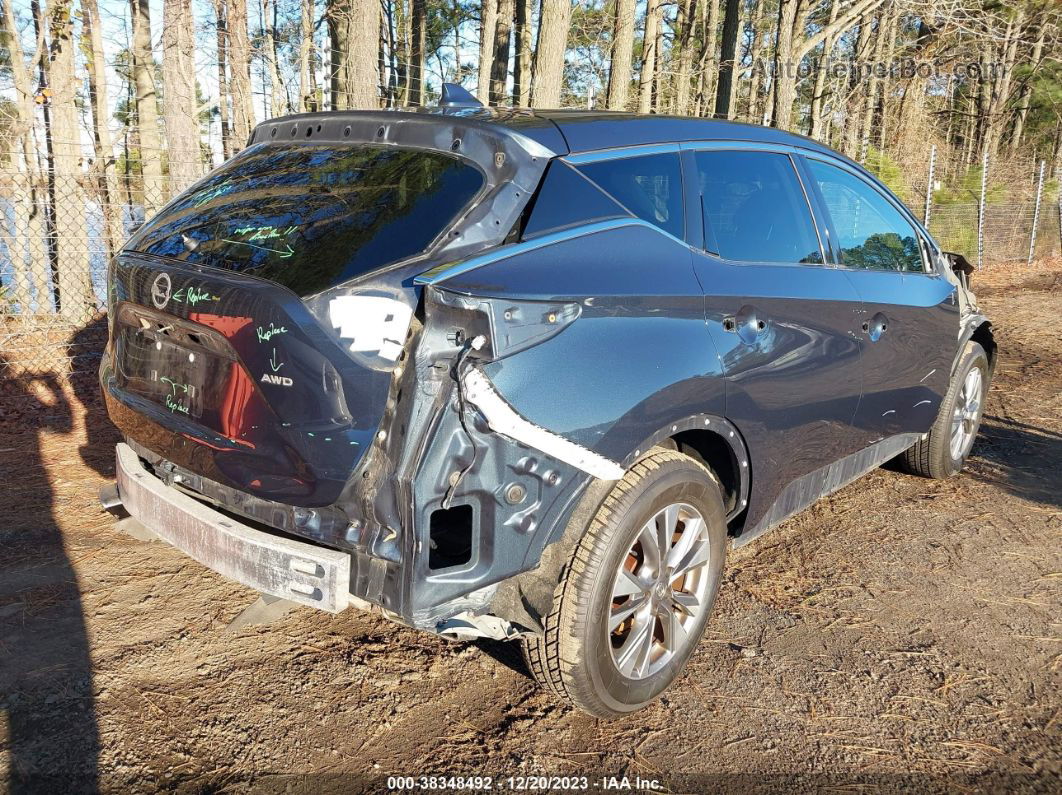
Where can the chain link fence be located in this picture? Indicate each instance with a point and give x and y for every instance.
(1007, 230)
(57, 234)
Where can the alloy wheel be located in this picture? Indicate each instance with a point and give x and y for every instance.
(659, 591)
(967, 414)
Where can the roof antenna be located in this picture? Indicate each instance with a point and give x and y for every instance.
(453, 96)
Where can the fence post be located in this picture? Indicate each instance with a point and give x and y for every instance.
(929, 185)
(1036, 213)
(1058, 186)
(981, 212)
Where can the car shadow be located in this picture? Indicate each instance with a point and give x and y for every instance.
(506, 652)
(1025, 459)
(85, 349)
(46, 691)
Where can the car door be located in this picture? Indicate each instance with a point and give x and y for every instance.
(909, 320)
(785, 324)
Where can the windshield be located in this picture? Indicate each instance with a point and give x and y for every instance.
(310, 217)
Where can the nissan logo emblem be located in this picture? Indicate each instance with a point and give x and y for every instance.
(160, 290)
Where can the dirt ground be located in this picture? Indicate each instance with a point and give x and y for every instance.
(903, 634)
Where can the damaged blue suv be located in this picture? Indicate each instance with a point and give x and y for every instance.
(525, 375)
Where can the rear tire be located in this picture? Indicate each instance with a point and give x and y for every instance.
(635, 596)
(944, 450)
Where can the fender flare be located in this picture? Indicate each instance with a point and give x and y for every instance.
(713, 423)
(527, 597)
(718, 425)
(971, 325)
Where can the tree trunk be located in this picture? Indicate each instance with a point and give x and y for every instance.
(354, 30)
(856, 85)
(522, 66)
(969, 138)
(147, 109)
(1001, 87)
(659, 82)
(784, 69)
(1022, 111)
(682, 55)
(419, 44)
(725, 90)
(649, 57)
(499, 68)
(381, 57)
(178, 75)
(403, 47)
(793, 45)
(363, 68)
(753, 112)
(707, 73)
(390, 87)
(821, 68)
(240, 74)
(912, 122)
(76, 300)
(488, 25)
(549, 55)
(30, 189)
(221, 17)
(884, 92)
(619, 74)
(866, 122)
(306, 80)
(278, 95)
(101, 131)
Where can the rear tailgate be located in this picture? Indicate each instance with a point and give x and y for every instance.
(232, 377)
(257, 320)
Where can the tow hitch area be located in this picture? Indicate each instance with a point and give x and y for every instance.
(302, 573)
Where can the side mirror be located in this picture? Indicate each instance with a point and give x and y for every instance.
(960, 266)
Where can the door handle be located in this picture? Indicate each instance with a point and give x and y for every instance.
(746, 324)
(731, 324)
(875, 326)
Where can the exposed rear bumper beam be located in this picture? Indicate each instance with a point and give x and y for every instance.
(303, 573)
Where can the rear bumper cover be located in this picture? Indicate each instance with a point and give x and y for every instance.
(303, 573)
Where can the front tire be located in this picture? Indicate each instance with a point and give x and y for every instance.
(634, 598)
(944, 450)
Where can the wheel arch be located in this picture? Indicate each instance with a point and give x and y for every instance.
(716, 443)
(978, 329)
(709, 438)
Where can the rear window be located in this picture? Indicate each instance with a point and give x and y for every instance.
(567, 199)
(649, 186)
(310, 217)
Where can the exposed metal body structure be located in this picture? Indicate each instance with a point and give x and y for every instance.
(535, 369)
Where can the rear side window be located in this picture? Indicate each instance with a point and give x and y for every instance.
(755, 209)
(871, 231)
(313, 216)
(650, 187)
(568, 199)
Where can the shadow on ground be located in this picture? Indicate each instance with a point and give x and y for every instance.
(46, 691)
(1025, 459)
(504, 652)
(85, 349)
